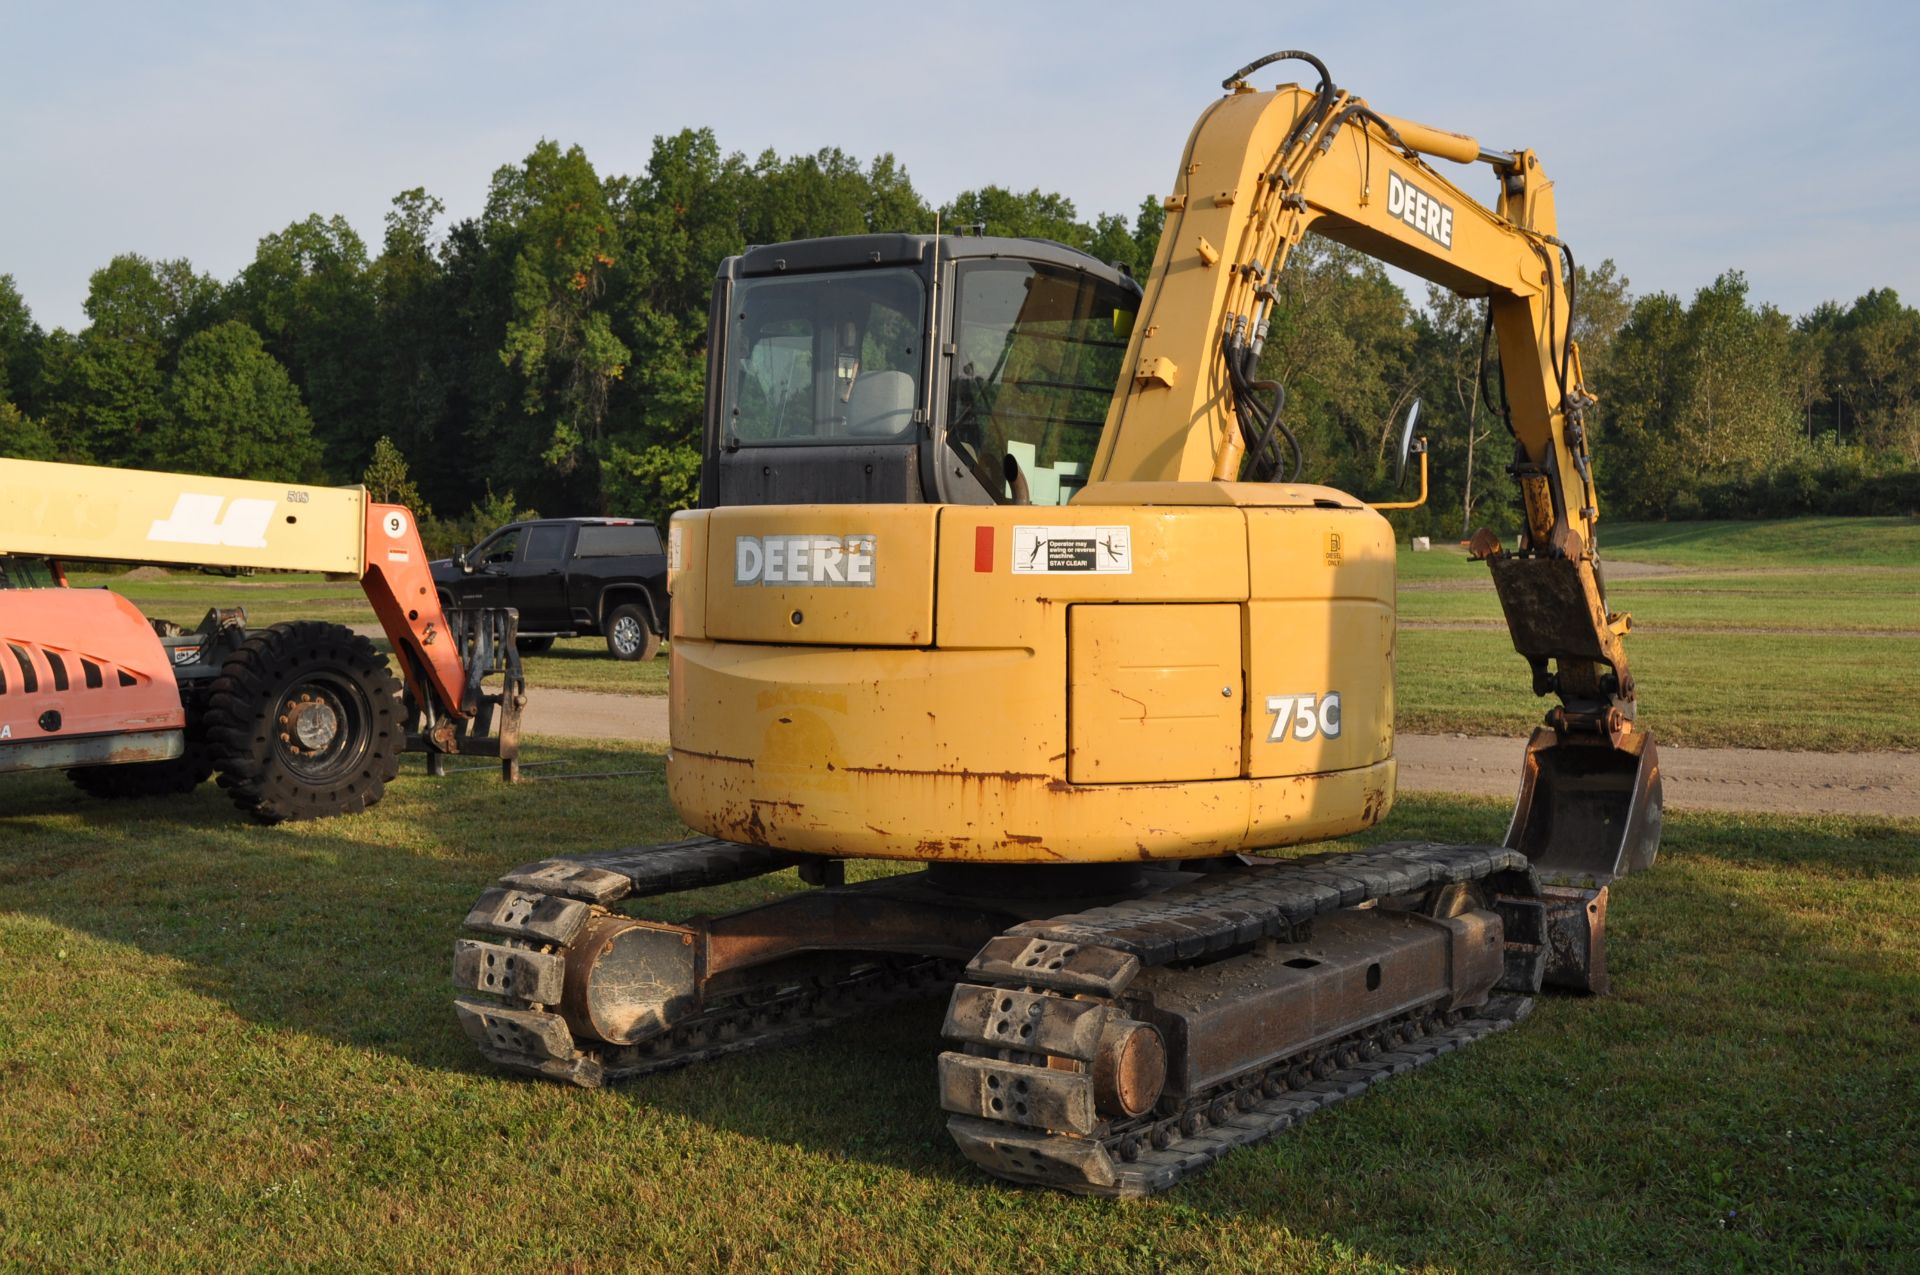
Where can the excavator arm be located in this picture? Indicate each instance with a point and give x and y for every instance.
(1259, 171)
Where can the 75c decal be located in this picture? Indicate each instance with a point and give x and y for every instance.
(1304, 716)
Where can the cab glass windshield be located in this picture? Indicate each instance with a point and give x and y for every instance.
(1039, 354)
(824, 358)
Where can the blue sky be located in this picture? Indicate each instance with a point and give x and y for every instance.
(1685, 138)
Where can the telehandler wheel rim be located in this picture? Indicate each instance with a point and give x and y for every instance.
(323, 727)
(627, 637)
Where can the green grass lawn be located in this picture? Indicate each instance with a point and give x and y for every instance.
(1803, 634)
(227, 1046)
(1854, 542)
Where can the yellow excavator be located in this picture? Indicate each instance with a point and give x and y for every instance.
(1006, 568)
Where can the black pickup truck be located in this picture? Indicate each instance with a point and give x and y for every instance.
(568, 576)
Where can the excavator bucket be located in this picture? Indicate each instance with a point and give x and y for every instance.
(1589, 808)
(1589, 811)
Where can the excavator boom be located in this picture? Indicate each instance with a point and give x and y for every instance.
(1259, 171)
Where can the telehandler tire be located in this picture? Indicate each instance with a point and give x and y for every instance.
(304, 722)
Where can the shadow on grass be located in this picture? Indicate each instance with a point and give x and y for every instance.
(1649, 1127)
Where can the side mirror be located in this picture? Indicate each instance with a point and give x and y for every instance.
(460, 561)
(1406, 447)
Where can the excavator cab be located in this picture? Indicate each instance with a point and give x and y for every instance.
(910, 369)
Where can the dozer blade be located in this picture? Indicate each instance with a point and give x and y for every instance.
(1589, 808)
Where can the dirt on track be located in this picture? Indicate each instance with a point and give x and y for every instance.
(1735, 779)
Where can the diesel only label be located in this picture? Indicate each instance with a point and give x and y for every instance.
(1420, 210)
(832, 561)
(1073, 551)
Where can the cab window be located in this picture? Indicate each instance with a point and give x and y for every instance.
(825, 358)
(1037, 359)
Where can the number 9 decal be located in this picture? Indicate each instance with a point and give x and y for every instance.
(395, 524)
(1302, 717)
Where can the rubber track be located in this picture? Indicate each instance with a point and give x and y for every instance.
(1218, 913)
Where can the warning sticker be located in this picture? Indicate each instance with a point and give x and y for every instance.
(1073, 551)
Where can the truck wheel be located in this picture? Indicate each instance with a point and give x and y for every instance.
(304, 721)
(534, 645)
(144, 778)
(629, 636)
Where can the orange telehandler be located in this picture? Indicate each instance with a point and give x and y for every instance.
(301, 719)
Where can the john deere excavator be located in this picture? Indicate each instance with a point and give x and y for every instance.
(1006, 568)
(300, 719)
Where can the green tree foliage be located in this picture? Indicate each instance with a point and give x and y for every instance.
(309, 294)
(105, 390)
(678, 220)
(387, 481)
(21, 341)
(556, 345)
(1873, 362)
(1695, 393)
(1341, 342)
(413, 340)
(1467, 440)
(24, 438)
(550, 221)
(1036, 214)
(236, 413)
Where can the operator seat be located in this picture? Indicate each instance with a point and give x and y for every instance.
(881, 405)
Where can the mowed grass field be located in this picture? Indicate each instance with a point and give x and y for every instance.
(1799, 634)
(231, 1047)
(1796, 634)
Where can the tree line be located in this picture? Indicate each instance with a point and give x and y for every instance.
(550, 353)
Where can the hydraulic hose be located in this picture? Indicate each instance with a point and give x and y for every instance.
(1263, 452)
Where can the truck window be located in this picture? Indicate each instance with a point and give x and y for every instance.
(502, 547)
(617, 542)
(546, 544)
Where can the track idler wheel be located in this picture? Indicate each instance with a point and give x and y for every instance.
(628, 980)
(305, 722)
(1129, 1071)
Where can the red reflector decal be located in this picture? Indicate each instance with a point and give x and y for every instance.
(983, 548)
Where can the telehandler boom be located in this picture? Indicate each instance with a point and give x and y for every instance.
(1008, 569)
(302, 719)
